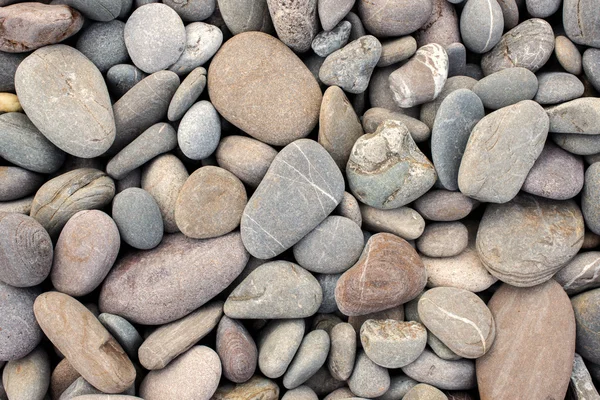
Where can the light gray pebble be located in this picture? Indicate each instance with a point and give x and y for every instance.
(300, 393)
(396, 50)
(201, 43)
(187, 93)
(311, 356)
(138, 218)
(558, 87)
(98, 10)
(580, 274)
(277, 345)
(580, 116)
(583, 145)
(104, 44)
(326, 42)
(343, 351)
(581, 20)
(368, 379)
(590, 204)
(399, 386)
(27, 378)
(16, 183)
(443, 239)
(393, 344)
(506, 87)
(542, 8)
(374, 117)
(193, 10)
(328, 282)
(568, 55)
(457, 59)
(444, 205)
(199, 132)
(125, 333)
(443, 374)
(481, 25)
(591, 66)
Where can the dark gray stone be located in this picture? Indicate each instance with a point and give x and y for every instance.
(125, 333)
(201, 43)
(331, 12)
(328, 282)
(187, 93)
(311, 356)
(296, 23)
(591, 66)
(246, 15)
(581, 19)
(120, 78)
(138, 218)
(98, 10)
(326, 42)
(199, 131)
(104, 44)
(582, 273)
(506, 87)
(558, 87)
(194, 10)
(581, 116)
(358, 30)
(510, 12)
(457, 59)
(443, 374)
(8, 67)
(16, 183)
(429, 110)
(581, 383)
(481, 25)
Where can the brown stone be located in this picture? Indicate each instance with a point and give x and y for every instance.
(62, 377)
(388, 273)
(28, 26)
(237, 350)
(88, 346)
(533, 352)
(257, 388)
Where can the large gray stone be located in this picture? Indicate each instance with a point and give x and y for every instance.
(581, 19)
(506, 87)
(581, 116)
(104, 44)
(138, 218)
(481, 25)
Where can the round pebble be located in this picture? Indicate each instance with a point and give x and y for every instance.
(384, 18)
(443, 239)
(444, 206)
(187, 93)
(568, 55)
(199, 131)
(481, 25)
(138, 218)
(28, 377)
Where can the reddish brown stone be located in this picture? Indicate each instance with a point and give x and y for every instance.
(237, 350)
(63, 375)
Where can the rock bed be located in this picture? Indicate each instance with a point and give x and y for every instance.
(255, 199)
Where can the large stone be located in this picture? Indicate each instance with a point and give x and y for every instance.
(581, 19)
(285, 100)
(20, 332)
(587, 316)
(65, 97)
(390, 18)
(481, 25)
(532, 363)
(295, 22)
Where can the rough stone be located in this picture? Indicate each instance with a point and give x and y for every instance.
(296, 23)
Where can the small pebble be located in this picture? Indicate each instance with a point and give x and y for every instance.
(383, 18)
(9, 103)
(342, 352)
(443, 374)
(374, 117)
(326, 42)
(396, 50)
(481, 25)
(444, 205)
(237, 350)
(311, 356)
(104, 44)
(581, 273)
(187, 93)
(568, 55)
(443, 239)
(393, 344)
(277, 345)
(368, 379)
(138, 218)
(333, 11)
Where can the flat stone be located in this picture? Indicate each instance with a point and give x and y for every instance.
(585, 306)
(388, 273)
(422, 78)
(246, 15)
(104, 44)
(342, 352)
(9, 63)
(170, 340)
(195, 10)
(529, 45)
(443, 374)
(22, 206)
(277, 345)
(556, 174)
(444, 206)
(326, 42)
(62, 377)
(201, 44)
(28, 377)
(198, 271)
(396, 50)
(296, 23)
(490, 169)
(286, 97)
(591, 62)
(383, 18)
(311, 356)
(441, 27)
(404, 221)
(73, 113)
(300, 393)
(581, 20)
(424, 392)
(187, 93)
(138, 218)
(29, 26)
(443, 239)
(374, 117)
(236, 349)
(393, 344)
(278, 289)
(331, 12)
(506, 87)
(195, 374)
(428, 111)
(581, 273)
(155, 37)
(368, 379)
(122, 77)
(513, 364)
(481, 25)
(310, 194)
(581, 116)
(257, 387)
(88, 346)
(558, 87)
(20, 331)
(568, 55)
(585, 145)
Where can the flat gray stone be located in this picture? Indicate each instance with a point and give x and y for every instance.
(331, 12)
(104, 44)
(506, 87)
(403, 221)
(457, 59)
(443, 205)
(194, 10)
(278, 342)
(296, 23)
(328, 282)
(443, 239)
(125, 333)
(585, 145)
(187, 93)
(28, 377)
(590, 206)
(368, 379)
(558, 87)
(342, 352)
(568, 55)
(581, 19)
(311, 356)
(481, 25)
(443, 374)
(98, 10)
(138, 218)
(393, 344)
(326, 42)
(591, 66)
(122, 77)
(581, 116)
(16, 183)
(246, 15)
(199, 131)
(384, 18)
(374, 117)
(201, 43)
(580, 274)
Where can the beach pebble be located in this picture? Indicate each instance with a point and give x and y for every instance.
(506, 87)
(444, 205)
(9, 103)
(393, 344)
(584, 145)
(581, 273)
(62, 377)
(558, 87)
(404, 221)
(481, 25)
(443, 374)
(125, 333)
(331, 12)
(342, 351)
(424, 392)
(122, 77)
(368, 379)
(104, 44)
(257, 386)
(9, 63)
(187, 93)
(443, 239)
(441, 27)
(277, 345)
(326, 42)
(375, 116)
(311, 356)
(296, 23)
(585, 306)
(568, 55)
(194, 10)
(236, 349)
(428, 111)
(396, 50)
(384, 18)
(247, 158)
(20, 332)
(581, 22)
(300, 393)
(199, 131)
(581, 116)
(138, 218)
(581, 381)
(99, 10)
(27, 378)
(328, 282)
(201, 43)
(245, 15)
(591, 66)
(457, 59)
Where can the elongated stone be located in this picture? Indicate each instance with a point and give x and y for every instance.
(375, 116)
(404, 221)
(342, 352)
(256, 388)
(581, 273)
(581, 116)
(368, 379)
(28, 377)
(587, 310)
(481, 25)
(443, 374)
(237, 350)
(311, 355)
(385, 18)
(278, 344)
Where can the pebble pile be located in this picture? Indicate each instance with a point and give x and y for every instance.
(300, 199)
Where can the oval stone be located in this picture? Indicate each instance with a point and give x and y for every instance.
(202, 42)
(16, 183)
(246, 15)
(199, 131)
(425, 392)
(443, 239)
(138, 218)
(260, 387)
(506, 87)
(587, 317)
(481, 25)
(375, 116)
(285, 100)
(278, 342)
(311, 356)
(568, 55)
(368, 379)
(390, 18)
(104, 44)
(236, 349)
(581, 116)
(28, 377)
(187, 93)
(444, 205)
(247, 158)
(342, 352)
(65, 97)
(581, 273)
(393, 344)
(443, 374)
(581, 19)
(558, 87)
(168, 282)
(404, 221)
(88, 346)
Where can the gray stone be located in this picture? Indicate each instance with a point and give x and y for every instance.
(542, 8)
(589, 198)
(326, 42)
(199, 131)
(535, 249)
(403, 221)
(481, 25)
(422, 78)
(443, 374)
(155, 37)
(351, 66)
(82, 122)
(444, 206)
(424, 392)
(20, 331)
(558, 87)
(399, 386)
(278, 289)
(142, 106)
(529, 45)
(300, 393)
(457, 59)
(585, 306)
(374, 117)
(278, 344)
(443, 239)
(368, 379)
(506, 87)
(393, 344)
(187, 93)
(331, 12)
(577, 144)
(16, 183)
(311, 356)
(138, 218)
(556, 174)
(458, 113)
(581, 273)
(27, 378)
(246, 15)
(170, 340)
(120, 78)
(132, 179)
(429, 110)
(496, 160)
(581, 20)
(104, 44)
(236, 349)
(80, 387)
(396, 50)
(332, 247)
(22, 206)
(568, 55)
(395, 313)
(358, 30)
(387, 170)
(323, 383)
(296, 23)
(441, 27)
(380, 94)
(581, 116)
(125, 333)
(342, 352)
(384, 18)
(591, 66)
(581, 383)
(281, 202)
(194, 10)
(98, 10)
(201, 43)
(350, 208)
(328, 282)
(9, 63)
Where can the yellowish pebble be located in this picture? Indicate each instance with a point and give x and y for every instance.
(9, 103)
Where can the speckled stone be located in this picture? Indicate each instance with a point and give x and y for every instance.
(581, 116)
(429, 110)
(581, 20)
(311, 355)
(404, 221)
(577, 144)
(506, 87)
(326, 42)
(393, 344)
(396, 50)
(481, 25)
(246, 15)
(368, 379)
(441, 27)
(104, 44)
(589, 198)
(374, 117)
(28, 377)
(568, 55)
(102, 10)
(558, 87)
(236, 349)
(138, 218)
(581, 382)
(122, 77)
(443, 374)
(296, 23)
(194, 10)
(399, 385)
(384, 18)
(591, 66)
(342, 352)
(350, 208)
(443, 239)
(187, 93)
(20, 331)
(257, 387)
(323, 383)
(202, 42)
(444, 206)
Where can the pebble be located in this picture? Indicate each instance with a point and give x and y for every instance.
(581, 382)
(529, 45)
(581, 273)
(456, 116)
(300, 393)
(443, 239)
(388, 273)
(16, 183)
(193, 375)
(138, 218)
(394, 313)
(558, 87)
(85, 252)
(323, 383)
(581, 116)
(342, 353)
(441, 27)
(278, 289)
(481, 25)
(380, 94)
(331, 12)
(399, 386)
(591, 62)
(256, 388)
(62, 377)
(106, 397)
(383, 18)
(88, 346)
(29, 26)
(122, 77)
(403, 222)
(396, 50)
(296, 23)
(368, 379)
(20, 331)
(22, 144)
(198, 271)
(556, 174)
(9, 63)
(265, 229)
(82, 123)
(246, 15)
(27, 378)
(496, 161)
(512, 366)
(199, 131)
(104, 44)
(577, 144)
(155, 37)
(64, 196)
(387, 170)
(187, 93)
(285, 99)
(444, 205)
(195, 10)
(202, 42)
(328, 282)
(585, 306)
(237, 350)
(341, 393)
(22, 206)
(580, 19)
(80, 387)
(351, 66)
(9, 103)
(422, 78)
(277, 345)
(170, 340)
(103, 10)
(532, 248)
(457, 59)
(311, 356)
(332, 247)
(443, 374)
(326, 42)
(428, 111)
(374, 117)
(506, 87)
(568, 55)
(125, 333)
(424, 392)
(393, 344)
(248, 159)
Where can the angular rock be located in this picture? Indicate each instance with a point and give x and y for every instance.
(581, 273)
(296, 22)
(506, 87)
(481, 25)
(384, 18)
(443, 239)
(278, 344)
(581, 116)
(558, 87)
(393, 344)
(201, 44)
(326, 42)
(581, 20)
(237, 350)
(342, 352)
(311, 356)
(138, 218)
(587, 310)
(247, 158)
(187, 93)
(20, 332)
(368, 379)
(443, 374)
